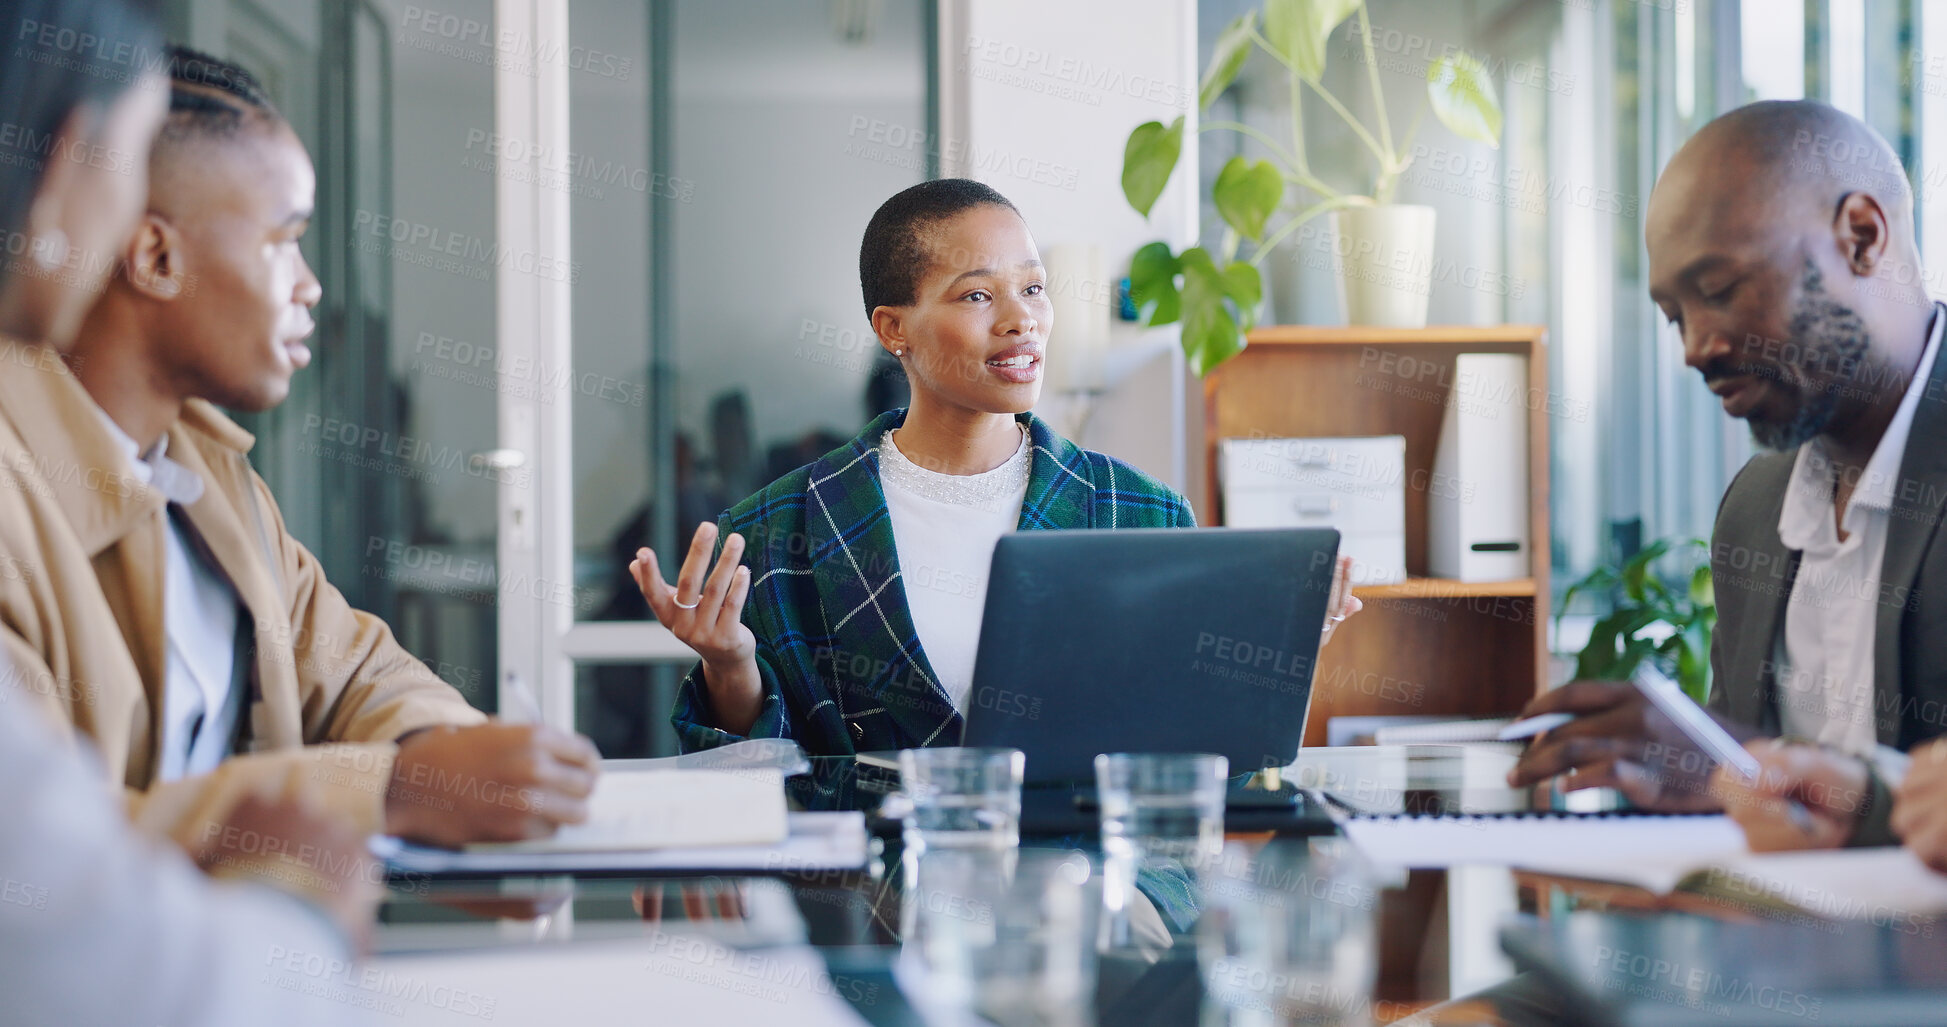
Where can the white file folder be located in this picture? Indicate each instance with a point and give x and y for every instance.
(1477, 498)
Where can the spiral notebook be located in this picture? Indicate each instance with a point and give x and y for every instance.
(1554, 842)
(1501, 828)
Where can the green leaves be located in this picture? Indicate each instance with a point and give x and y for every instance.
(1692, 646)
(1702, 591)
(1299, 29)
(1216, 298)
(1226, 59)
(1246, 194)
(1217, 305)
(1651, 618)
(1147, 161)
(1210, 331)
(1152, 284)
(1245, 287)
(1636, 579)
(1463, 98)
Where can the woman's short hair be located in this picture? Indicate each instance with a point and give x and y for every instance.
(64, 55)
(894, 254)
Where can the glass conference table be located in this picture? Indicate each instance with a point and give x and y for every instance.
(1435, 931)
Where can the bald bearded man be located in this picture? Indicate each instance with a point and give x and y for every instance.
(1781, 246)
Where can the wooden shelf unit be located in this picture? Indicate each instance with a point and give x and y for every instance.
(1426, 646)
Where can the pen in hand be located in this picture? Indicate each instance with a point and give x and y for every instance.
(1533, 726)
(521, 707)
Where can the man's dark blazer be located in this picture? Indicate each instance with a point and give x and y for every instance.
(1754, 573)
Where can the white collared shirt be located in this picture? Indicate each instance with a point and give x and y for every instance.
(200, 612)
(1825, 670)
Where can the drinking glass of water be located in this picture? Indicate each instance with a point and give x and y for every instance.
(962, 798)
(1162, 819)
(1287, 935)
(1007, 934)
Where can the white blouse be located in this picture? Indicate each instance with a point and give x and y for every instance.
(944, 528)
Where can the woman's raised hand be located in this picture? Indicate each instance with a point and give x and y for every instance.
(707, 614)
(1342, 603)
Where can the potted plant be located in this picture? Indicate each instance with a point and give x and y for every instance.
(1669, 621)
(1216, 295)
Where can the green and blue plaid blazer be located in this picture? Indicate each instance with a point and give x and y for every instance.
(842, 665)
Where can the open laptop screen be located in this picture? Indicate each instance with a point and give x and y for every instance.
(1150, 640)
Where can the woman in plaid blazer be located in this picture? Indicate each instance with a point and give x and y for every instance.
(803, 622)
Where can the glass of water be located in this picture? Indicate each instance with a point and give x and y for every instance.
(1162, 819)
(962, 798)
(1287, 935)
(1009, 935)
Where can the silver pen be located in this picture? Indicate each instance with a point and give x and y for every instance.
(525, 708)
(1709, 736)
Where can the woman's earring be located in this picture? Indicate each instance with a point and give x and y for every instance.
(899, 353)
(51, 249)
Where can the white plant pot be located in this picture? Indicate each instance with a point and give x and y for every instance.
(1384, 259)
(1285, 277)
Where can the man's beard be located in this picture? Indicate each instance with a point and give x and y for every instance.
(1830, 335)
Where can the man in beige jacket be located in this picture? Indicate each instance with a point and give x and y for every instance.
(149, 592)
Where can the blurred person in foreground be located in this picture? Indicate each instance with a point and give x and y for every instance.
(84, 900)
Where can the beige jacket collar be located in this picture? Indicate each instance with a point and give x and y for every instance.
(77, 456)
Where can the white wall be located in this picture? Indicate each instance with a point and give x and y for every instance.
(1037, 100)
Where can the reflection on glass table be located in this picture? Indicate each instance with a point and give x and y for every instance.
(1268, 929)
(1015, 935)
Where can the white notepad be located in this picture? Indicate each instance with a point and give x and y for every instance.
(636, 810)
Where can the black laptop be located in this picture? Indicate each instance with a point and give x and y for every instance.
(1149, 640)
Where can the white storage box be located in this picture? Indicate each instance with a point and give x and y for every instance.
(1357, 485)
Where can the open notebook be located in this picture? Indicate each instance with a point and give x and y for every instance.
(1702, 855)
(634, 810)
(1843, 884)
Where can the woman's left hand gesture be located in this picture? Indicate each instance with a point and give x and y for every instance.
(1342, 603)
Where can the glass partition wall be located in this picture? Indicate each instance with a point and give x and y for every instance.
(589, 279)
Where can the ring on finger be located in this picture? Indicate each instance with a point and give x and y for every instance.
(676, 597)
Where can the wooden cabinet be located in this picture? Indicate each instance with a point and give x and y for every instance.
(1427, 645)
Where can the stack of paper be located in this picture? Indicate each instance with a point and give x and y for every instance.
(666, 822)
(1442, 732)
(816, 841)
